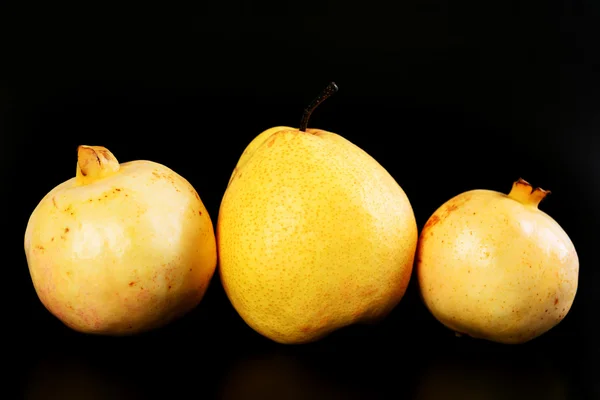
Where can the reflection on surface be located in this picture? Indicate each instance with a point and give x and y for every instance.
(487, 379)
(461, 370)
(278, 376)
(71, 378)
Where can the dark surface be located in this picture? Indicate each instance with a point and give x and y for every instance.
(448, 96)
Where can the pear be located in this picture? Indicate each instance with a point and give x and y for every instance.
(496, 267)
(313, 234)
(120, 248)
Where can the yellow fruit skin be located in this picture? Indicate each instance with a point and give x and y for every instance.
(255, 144)
(313, 235)
(123, 254)
(496, 268)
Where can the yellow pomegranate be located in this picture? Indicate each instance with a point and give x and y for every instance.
(120, 248)
(495, 267)
(313, 235)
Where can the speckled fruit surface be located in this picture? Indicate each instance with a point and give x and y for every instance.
(313, 235)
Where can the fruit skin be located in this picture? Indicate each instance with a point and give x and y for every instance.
(495, 267)
(254, 144)
(120, 249)
(313, 235)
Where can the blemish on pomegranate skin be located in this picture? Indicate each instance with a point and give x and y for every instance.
(131, 284)
(69, 210)
(52, 240)
(305, 329)
(556, 301)
(432, 221)
(118, 189)
(54, 202)
(67, 229)
(199, 212)
(169, 287)
(451, 208)
(456, 204)
(40, 247)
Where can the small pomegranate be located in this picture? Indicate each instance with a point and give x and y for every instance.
(120, 249)
(495, 267)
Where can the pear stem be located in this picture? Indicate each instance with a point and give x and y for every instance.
(324, 95)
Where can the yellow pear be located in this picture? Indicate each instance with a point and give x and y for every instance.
(120, 248)
(313, 234)
(495, 267)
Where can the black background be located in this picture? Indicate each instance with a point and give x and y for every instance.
(448, 96)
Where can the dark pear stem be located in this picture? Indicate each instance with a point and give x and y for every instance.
(326, 93)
